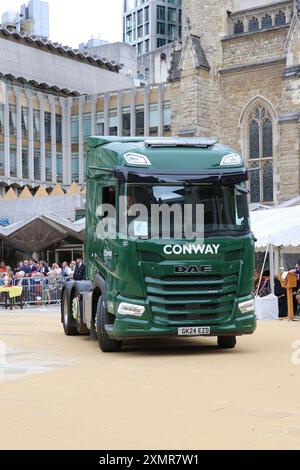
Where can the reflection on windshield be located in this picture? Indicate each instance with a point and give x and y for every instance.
(225, 207)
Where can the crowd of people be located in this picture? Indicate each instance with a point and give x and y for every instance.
(34, 275)
(30, 272)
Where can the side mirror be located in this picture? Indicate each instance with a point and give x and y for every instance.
(241, 206)
(241, 190)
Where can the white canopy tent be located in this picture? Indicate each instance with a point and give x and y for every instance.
(278, 227)
(277, 231)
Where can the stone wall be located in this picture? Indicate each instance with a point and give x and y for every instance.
(190, 104)
(288, 160)
(254, 47)
(244, 70)
(209, 21)
(237, 89)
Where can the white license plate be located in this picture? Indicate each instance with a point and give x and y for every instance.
(194, 331)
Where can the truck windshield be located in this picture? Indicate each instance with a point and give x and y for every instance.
(225, 207)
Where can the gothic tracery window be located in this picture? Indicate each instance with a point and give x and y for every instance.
(267, 21)
(238, 27)
(280, 18)
(260, 155)
(253, 24)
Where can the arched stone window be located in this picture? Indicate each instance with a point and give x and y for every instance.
(260, 154)
(280, 18)
(253, 24)
(238, 27)
(267, 21)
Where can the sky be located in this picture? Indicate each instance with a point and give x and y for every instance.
(73, 22)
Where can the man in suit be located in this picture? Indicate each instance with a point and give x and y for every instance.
(28, 267)
(79, 272)
(31, 267)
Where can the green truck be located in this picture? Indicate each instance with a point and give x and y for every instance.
(145, 277)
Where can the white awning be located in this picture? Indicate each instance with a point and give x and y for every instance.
(276, 227)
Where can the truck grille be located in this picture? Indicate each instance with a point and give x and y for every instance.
(183, 318)
(191, 299)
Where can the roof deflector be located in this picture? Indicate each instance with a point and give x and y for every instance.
(181, 142)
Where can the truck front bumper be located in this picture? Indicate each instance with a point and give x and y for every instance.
(147, 325)
(131, 328)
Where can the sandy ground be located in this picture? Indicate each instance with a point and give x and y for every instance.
(58, 392)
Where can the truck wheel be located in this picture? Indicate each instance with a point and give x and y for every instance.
(66, 314)
(104, 318)
(226, 342)
(76, 312)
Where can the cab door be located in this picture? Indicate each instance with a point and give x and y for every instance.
(105, 225)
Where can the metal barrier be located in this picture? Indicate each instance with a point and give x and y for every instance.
(36, 291)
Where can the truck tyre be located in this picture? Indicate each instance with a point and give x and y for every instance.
(226, 342)
(66, 315)
(104, 318)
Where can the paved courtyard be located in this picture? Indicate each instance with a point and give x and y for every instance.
(62, 392)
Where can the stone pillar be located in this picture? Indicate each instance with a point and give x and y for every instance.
(260, 18)
(106, 113)
(17, 92)
(204, 19)
(161, 88)
(30, 136)
(120, 116)
(132, 113)
(81, 139)
(64, 132)
(42, 137)
(52, 101)
(94, 114)
(6, 131)
(147, 110)
(69, 102)
(273, 18)
(152, 25)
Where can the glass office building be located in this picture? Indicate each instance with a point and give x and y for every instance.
(150, 24)
(36, 13)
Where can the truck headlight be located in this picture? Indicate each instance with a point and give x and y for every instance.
(231, 159)
(131, 309)
(247, 307)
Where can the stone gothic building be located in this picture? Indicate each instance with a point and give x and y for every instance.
(237, 77)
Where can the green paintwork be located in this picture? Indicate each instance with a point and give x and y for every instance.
(110, 152)
(139, 272)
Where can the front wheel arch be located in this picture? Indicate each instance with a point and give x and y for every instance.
(106, 343)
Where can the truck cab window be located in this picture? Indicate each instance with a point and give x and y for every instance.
(109, 195)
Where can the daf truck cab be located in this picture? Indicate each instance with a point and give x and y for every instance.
(146, 277)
